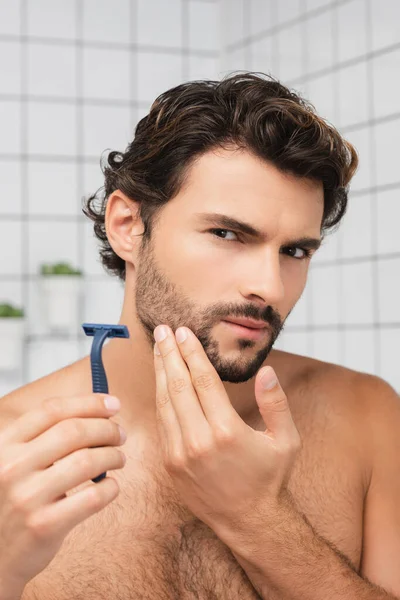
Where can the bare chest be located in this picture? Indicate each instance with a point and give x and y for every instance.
(146, 544)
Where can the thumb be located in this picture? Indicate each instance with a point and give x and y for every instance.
(273, 405)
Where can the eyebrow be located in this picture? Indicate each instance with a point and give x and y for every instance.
(232, 223)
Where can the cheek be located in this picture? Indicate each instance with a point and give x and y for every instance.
(207, 267)
(196, 265)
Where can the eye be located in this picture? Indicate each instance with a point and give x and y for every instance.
(221, 238)
(306, 251)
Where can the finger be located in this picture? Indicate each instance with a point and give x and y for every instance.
(64, 438)
(73, 470)
(209, 388)
(57, 519)
(167, 421)
(183, 395)
(274, 406)
(51, 411)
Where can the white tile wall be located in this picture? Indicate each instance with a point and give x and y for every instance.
(388, 219)
(326, 346)
(329, 249)
(204, 67)
(386, 88)
(262, 55)
(300, 314)
(358, 285)
(105, 21)
(389, 290)
(99, 81)
(361, 140)
(262, 15)
(295, 342)
(103, 301)
(10, 257)
(51, 18)
(91, 261)
(235, 60)
(352, 25)
(288, 10)
(51, 128)
(233, 14)
(52, 70)
(203, 25)
(10, 67)
(355, 232)
(385, 18)
(311, 5)
(359, 350)
(60, 236)
(353, 95)
(389, 358)
(10, 127)
(11, 291)
(105, 127)
(321, 93)
(10, 177)
(386, 144)
(35, 311)
(10, 21)
(156, 73)
(49, 355)
(290, 48)
(93, 179)
(326, 308)
(52, 188)
(163, 23)
(319, 41)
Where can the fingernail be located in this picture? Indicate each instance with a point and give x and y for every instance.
(122, 434)
(160, 333)
(268, 379)
(112, 403)
(180, 334)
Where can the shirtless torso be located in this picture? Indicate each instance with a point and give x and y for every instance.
(147, 545)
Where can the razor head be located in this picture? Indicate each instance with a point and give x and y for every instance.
(120, 331)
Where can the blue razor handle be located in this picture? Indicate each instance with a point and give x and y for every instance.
(100, 332)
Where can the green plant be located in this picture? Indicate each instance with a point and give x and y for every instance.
(7, 310)
(59, 269)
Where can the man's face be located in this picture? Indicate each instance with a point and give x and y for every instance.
(189, 275)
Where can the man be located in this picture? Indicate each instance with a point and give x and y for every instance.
(229, 490)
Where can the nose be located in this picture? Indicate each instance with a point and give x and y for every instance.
(264, 279)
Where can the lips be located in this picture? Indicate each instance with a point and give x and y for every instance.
(248, 323)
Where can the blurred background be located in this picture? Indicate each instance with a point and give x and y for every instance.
(76, 77)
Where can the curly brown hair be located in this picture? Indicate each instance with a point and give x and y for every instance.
(251, 111)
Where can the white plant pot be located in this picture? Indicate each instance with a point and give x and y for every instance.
(12, 332)
(61, 296)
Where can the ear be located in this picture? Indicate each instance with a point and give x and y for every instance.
(123, 224)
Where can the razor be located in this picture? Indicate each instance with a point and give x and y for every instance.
(100, 332)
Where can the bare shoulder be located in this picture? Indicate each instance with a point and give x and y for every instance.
(341, 386)
(337, 400)
(67, 381)
(348, 389)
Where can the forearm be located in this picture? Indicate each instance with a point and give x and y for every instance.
(288, 560)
